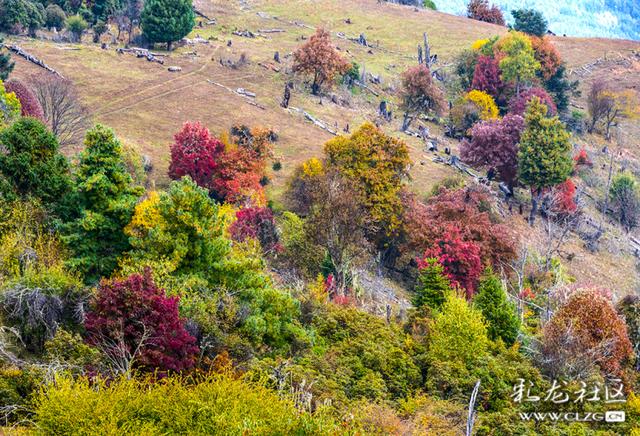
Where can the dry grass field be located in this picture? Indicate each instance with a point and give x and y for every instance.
(146, 104)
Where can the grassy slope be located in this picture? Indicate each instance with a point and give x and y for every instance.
(146, 104)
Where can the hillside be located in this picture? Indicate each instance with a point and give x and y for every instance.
(146, 104)
(315, 217)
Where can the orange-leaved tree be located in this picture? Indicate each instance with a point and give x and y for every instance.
(319, 58)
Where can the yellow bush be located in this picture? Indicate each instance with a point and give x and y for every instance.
(479, 43)
(217, 405)
(312, 167)
(485, 103)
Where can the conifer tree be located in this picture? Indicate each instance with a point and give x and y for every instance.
(544, 158)
(105, 199)
(167, 20)
(500, 314)
(433, 286)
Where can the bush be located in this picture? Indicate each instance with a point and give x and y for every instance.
(30, 106)
(256, 223)
(138, 327)
(586, 332)
(429, 4)
(10, 107)
(458, 334)
(518, 104)
(625, 200)
(19, 15)
(217, 404)
(462, 116)
(55, 17)
(485, 104)
(76, 25)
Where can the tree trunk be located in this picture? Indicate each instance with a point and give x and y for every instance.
(535, 199)
(168, 45)
(406, 121)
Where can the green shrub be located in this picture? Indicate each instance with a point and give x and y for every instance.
(429, 4)
(76, 25)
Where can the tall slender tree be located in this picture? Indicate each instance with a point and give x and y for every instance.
(544, 157)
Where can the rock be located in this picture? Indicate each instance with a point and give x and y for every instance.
(174, 69)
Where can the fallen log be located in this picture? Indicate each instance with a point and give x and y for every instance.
(200, 14)
(318, 123)
(143, 53)
(31, 58)
(241, 92)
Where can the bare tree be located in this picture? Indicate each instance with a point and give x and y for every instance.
(120, 356)
(66, 116)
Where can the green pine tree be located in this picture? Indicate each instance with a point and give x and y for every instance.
(499, 312)
(167, 20)
(544, 157)
(105, 198)
(432, 287)
(6, 66)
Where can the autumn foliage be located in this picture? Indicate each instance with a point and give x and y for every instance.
(547, 54)
(494, 144)
(467, 210)
(420, 94)
(257, 223)
(459, 258)
(585, 331)
(133, 318)
(195, 153)
(232, 171)
(30, 105)
(518, 104)
(481, 10)
(564, 198)
(486, 76)
(318, 58)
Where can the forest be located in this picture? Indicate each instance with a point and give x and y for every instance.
(347, 302)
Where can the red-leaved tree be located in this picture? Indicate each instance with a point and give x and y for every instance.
(466, 209)
(258, 223)
(486, 77)
(460, 259)
(564, 198)
(138, 327)
(31, 107)
(494, 144)
(518, 104)
(481, 10)
(195, 153)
